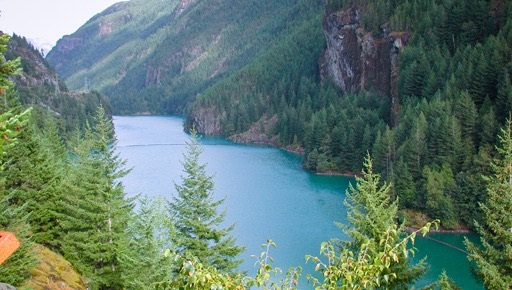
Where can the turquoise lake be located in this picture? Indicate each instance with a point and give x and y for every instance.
(268, 196)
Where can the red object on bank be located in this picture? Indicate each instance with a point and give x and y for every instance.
(8, 244)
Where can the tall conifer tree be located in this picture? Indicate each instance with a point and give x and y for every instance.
(16, 269)
(149, 238)
(95, 212)
(372, 213)
(196, 219)
(376, 256)
(494, 258)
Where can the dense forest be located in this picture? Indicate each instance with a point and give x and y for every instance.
(432, 143)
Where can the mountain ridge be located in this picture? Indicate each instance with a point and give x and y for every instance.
(188, 46)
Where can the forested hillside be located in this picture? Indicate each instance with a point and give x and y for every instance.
(156, 56)
(424, 86)
(454, 95)
(39, 86)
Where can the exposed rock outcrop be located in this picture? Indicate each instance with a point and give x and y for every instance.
(36, 71)
(357, 60)
(207, 121)
(259, 132)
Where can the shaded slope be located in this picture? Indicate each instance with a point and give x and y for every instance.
(39, 86)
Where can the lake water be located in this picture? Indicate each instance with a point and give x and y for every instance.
(268, 195)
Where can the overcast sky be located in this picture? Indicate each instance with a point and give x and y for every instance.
(44, 22)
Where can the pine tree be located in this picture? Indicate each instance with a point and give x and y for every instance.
(149, 238)
(404, 187)
(376, 256)
(16, 269)
(95, 213)
(416, 146)
(488, 126)
(438, 201)
(34, 174)
(494, 258)
(196, 219)
(384, 153)
(371, 214)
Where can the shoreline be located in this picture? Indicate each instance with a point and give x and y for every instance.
(254, 136)
(250, 137)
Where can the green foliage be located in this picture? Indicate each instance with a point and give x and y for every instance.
(195, 217)
(275, 81)
(7, 67)
(160, 55)
(439, 203)
(368, 268)
(15, 269)
(94, 214)
(266, 272)
(443, 283)
(493, 257)
(149, 237)
(377, 254)
(192, 274)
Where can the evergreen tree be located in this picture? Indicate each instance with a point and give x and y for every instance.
(384, 152)
(416, 146)
(438, 186)
(404, 186)
(376, 256)
(443, 283)
(196, 219)
(149, 238)
(494, 258)
(16, 269)
(95, 212)
(34, 174)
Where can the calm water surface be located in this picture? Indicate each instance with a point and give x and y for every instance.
(268, 195)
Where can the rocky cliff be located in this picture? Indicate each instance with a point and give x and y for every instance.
(36, 71)
(39, 86)
(358, 60)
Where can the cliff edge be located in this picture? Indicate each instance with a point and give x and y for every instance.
(358, 60)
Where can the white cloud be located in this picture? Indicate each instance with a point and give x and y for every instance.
(45, 22)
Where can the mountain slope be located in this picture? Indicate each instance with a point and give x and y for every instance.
(156, 56)
(39, 86)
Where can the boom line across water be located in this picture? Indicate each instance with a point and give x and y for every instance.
(447, 244)
(166, 144)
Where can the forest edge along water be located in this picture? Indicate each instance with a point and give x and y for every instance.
(268, 196)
